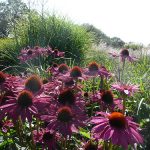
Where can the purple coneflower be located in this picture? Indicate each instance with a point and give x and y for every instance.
(5, 125)
(7, 82)
(24, 105)
(56, 53)
(125, 89)
(59, 70)
(46, 137)
(120, 129)
(108, 101)
(103, 72)
(124, 54)
(29, 54)
(76, 72)
(33, 84)
(68, 97)
(92, 69)
(64, 120)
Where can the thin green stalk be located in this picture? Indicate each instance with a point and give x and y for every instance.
(123, 66)
(32, 140)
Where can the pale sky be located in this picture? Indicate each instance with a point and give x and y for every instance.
(127, 19)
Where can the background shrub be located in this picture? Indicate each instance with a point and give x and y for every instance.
(57, 32)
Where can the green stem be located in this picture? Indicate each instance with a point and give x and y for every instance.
(32, 140)
(124, 106)
(123, 66)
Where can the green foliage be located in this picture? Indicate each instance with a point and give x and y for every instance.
(134, 46)
(56, 32)
(10, 11)
(8, 53)
(117, 42)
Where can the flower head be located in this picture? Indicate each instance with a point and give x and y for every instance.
(76, 72)
(125, 88)
(25, 99)
(65, 114)
(66, 97)
(65, 120)
(124, 53)
(63, 68)
(33, 84)
(121, 130)
(25, 105)
(93, 66)
(92, 69)
(107, 97)
(46, 137)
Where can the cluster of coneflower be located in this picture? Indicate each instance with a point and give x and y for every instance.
(49, 113)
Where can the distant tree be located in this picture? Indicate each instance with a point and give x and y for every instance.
(117, 42)
(100, 37)
(10, 11)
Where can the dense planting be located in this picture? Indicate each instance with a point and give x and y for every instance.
(63, 107)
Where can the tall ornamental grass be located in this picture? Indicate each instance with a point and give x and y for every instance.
(56, 32)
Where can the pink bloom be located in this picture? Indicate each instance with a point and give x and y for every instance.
(107, 100)
(46, 137)
(24, 105)
(7, 82)
(64, 119)
(58, 70)
(71, 98)
(124, 54)
(103, 72)
(29, 54)
(92, 69)
(5, 125)
(56, 53)
(33, 84)
(125, 89)
(120, 129)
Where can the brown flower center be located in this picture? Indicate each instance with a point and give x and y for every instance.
(2, 77)
(33, 84)
(124, 53)
(54, 65)
(25, 99)
(93, 67)
(91, 146)
(47, 136)
(107, 97)
(63, 68)
(86, 95)
(76, 72)
(29, 52)
(64, 114)
(117, 120)
(66, 97)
